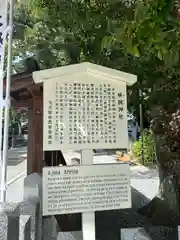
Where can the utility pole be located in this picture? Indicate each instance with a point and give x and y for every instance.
(6, 32)
(141, 127)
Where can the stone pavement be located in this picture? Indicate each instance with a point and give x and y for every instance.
(15, 190)
(16, 166)
(16, 162)
(145, 181)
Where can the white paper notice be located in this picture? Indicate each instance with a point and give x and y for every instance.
(77, 189)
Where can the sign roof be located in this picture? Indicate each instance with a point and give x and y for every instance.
(85, 68)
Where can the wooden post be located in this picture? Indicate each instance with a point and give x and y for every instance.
(35, 136)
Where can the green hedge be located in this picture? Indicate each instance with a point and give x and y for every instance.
(149, 153)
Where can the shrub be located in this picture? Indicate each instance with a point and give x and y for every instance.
(148, 147)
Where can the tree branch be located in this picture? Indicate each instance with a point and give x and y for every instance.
(22, 24)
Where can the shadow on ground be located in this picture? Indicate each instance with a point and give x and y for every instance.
(109, 223)
(15, 162)
(16, 155)
(144, 173)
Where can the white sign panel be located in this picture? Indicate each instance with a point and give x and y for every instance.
(78, 189)
(84, 115)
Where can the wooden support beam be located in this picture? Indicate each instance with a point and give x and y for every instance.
(35, 90)
(22, 104)
(35, 136)
(20, 85)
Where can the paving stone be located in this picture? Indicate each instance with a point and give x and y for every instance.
(149, 233)
(31, 208)
(25, 227)
(178, 232)
(70, 235)
(9, 221)
(50, 228)
(33, 186)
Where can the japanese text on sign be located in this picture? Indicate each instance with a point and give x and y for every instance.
(84, 115)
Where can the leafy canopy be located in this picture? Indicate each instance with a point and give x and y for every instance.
(141, 37)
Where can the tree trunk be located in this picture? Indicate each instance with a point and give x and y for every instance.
(164, 208)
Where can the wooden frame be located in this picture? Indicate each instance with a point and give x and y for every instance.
(26, 94)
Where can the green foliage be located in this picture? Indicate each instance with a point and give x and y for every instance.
(139, 37)
(149, 154)
(63, 32)
(148, 29)
(15, 121)
(149, 35)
